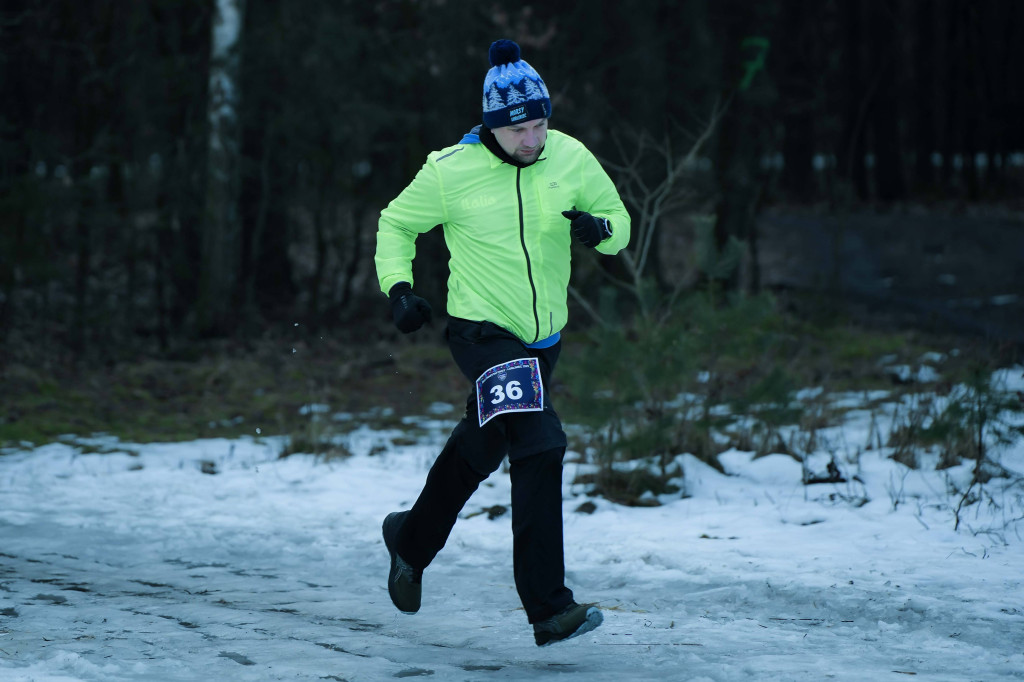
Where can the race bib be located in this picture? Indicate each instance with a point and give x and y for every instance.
(513, 386)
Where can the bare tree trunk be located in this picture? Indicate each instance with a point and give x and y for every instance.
(357, 217)
(976, 93)
(885, 114)
(83, 265)
(857, 97)
(221, 239)
(953, 91)
(740, 183)
(924, 94)
(321, 212)
(1005, 83)
(256, 197)
(797, 87)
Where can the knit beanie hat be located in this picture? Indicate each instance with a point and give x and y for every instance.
(513, 90)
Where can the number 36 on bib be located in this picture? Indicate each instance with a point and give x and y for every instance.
(513, 386)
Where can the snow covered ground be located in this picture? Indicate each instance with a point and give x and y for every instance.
(134, 564)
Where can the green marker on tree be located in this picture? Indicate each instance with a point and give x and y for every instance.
(758, 46)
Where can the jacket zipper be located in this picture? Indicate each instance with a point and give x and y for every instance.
(529, 267)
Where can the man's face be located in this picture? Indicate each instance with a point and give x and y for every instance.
(523, 141)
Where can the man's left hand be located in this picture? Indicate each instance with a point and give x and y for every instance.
(590, 230)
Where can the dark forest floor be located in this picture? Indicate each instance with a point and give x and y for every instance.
(224, 388)
(230, 388)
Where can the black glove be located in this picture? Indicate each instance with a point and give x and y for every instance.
(589, 230)
(409, 311)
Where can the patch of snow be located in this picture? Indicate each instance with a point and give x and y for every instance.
(136, 565)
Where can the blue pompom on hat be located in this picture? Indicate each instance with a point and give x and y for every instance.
(513, 90)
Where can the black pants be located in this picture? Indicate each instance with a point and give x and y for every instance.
(535, 444)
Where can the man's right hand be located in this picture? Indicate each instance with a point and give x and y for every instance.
(409, 311)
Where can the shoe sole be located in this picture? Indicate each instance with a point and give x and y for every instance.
(394, 563)
(593, 619)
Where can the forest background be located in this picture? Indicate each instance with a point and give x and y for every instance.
(189, 191)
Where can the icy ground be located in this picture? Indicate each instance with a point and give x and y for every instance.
(134, 564)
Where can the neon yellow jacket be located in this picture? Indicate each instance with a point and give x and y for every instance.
(504, 228)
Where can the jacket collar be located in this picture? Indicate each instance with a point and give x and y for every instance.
(491, 143)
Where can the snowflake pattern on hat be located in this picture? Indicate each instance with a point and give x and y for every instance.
(513, 90)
